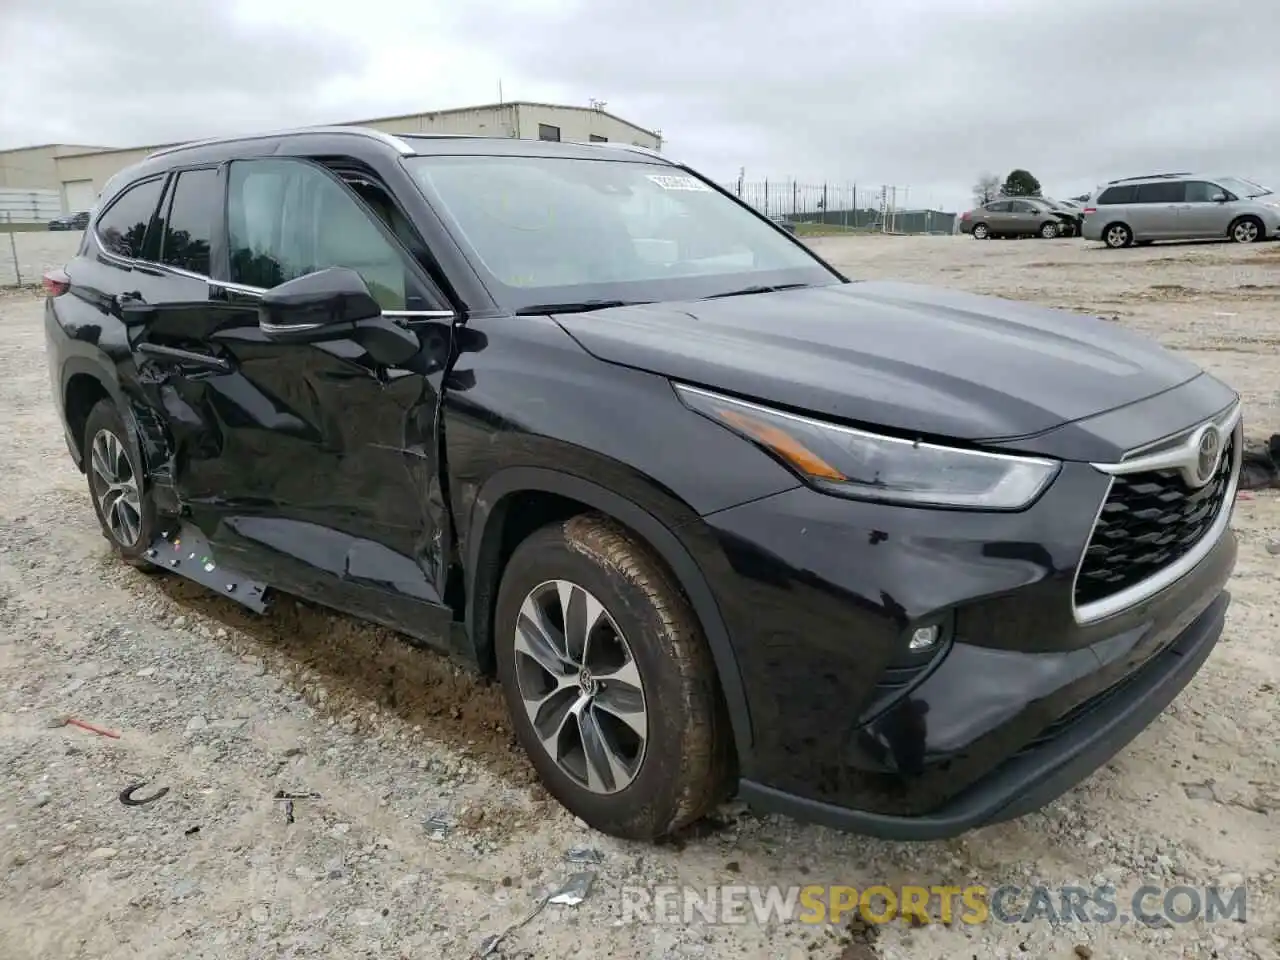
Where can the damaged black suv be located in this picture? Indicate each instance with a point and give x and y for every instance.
(720, 520)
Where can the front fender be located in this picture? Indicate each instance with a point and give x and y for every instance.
(484, 540)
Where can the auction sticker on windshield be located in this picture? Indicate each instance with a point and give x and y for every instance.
(678, 183)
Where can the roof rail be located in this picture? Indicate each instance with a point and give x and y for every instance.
(631, 148)
(1154, 176)
(395, 142)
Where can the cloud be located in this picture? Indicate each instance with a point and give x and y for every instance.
(132, 72)
(922, 93)
(918, 93)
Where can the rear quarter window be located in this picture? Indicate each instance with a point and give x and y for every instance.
(122, 228)
(1112, 195)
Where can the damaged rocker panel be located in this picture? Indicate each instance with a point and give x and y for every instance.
(186, 552)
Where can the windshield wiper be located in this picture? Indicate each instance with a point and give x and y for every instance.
(747, 291)
(578, 306)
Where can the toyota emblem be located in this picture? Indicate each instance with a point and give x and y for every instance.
(1207, 454)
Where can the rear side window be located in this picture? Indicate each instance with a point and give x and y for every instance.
(122, 228)
(187, 232)
(286, 218)
(1127, 194)
(1165, 192)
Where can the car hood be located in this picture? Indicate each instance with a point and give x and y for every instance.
(922, 360)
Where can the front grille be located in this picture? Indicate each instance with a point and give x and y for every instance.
(1149, 521)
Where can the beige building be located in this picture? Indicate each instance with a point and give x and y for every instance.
(35, 168)
(79, 173)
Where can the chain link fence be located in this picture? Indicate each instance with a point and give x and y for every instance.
(836, 207)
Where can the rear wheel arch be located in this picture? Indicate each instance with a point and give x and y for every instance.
(81, 394)
(85, 381)
(520, 500)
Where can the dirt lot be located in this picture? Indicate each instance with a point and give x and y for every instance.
(225, 709)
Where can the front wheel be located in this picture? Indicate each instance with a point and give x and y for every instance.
(121, 500)
(1246, 230)
(1048, 230)
(608, 680)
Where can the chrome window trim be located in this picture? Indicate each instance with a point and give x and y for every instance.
(252, 291)
(245, 288)
(96, 218)
(1144, 590)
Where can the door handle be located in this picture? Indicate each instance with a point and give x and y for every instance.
(185, 357)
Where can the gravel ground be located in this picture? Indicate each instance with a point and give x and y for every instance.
(429, 833)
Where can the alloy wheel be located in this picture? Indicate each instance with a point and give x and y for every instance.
(116, 487)
(980, 232)
(580, 686)
(1118, 236)
(1246, 231)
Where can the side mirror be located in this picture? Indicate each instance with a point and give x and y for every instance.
(335, 304)
(319, 306)
(1219, 198)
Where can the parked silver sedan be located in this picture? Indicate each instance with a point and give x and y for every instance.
(1013, 217)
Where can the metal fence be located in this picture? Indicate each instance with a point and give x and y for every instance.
(881, 208)
(7, 222)
(29, 206)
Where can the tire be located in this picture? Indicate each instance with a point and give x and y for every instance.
(1117, 235)
(1048, 230)
(1246, 230)
(128, 520)
(981, 231)
(681, 767)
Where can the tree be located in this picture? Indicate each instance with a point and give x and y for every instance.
(986, 189)
(1020, 183)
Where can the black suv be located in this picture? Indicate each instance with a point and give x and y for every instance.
(894, 558)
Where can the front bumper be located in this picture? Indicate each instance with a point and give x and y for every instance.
(1019, 701)
(1036, 776)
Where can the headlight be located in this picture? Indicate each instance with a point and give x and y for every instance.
(866, 466)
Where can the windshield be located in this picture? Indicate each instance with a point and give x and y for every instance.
(1243, 188)
(563, 231)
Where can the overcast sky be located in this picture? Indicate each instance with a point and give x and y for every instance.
(924, 94)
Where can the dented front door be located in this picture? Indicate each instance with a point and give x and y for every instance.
(309, 466)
